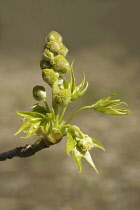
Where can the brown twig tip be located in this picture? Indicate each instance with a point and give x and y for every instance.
(26, 151)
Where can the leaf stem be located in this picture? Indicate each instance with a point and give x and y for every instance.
(75, 113)
(46, 105)
(62, 115)
(55, 107)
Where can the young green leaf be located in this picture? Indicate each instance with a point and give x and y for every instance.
(87, 156)
(76, 154)
(32, 130)
(70, 144)
(77, 91)
(98, 144)
(30, 115)
(108, 106)
(24, 126)
(44, 126)
(72, 78)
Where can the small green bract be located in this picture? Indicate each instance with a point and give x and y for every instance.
(47, 122)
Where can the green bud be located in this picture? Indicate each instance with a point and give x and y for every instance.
(49, 76)
(44, 64)
(53, 35)
(63, 50)
(62, 97)
(85, 143)
(54, 137)
(54, 46)
(48, 55)
(39, 93)
(60, 64)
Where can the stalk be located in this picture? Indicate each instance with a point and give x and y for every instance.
(46, 105)
(55, 107)
(75, 113)
(62, 115)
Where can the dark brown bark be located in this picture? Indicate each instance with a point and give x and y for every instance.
(26, 151)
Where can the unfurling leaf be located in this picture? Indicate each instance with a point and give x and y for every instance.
(30, 115)
(34, 121)
(76, 154)
(32, 130)
(87, 156)
(108, 106)
(70, 144)
(24, 126)
(77, 91)
(97, 144)
(32, 127)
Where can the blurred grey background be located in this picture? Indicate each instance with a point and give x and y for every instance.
(103, 36)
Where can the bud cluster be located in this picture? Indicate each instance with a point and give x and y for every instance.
(54, 54)
(54, 65)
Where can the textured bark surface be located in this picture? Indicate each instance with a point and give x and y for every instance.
(26, 151)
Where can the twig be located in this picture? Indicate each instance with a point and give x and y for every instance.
(26, 151)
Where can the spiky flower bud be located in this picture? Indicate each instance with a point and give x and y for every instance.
(48, 55)
(62, 97)
(49, 76)
(53, 35)
(85, 143)
(60, 64)
(39, 93)
(45, 64)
